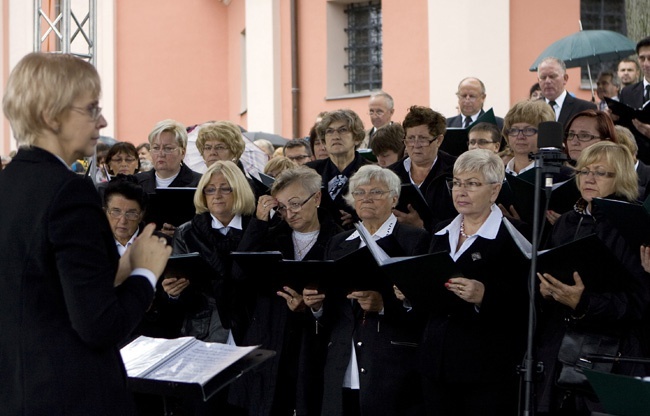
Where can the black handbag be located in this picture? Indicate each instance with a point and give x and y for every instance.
(577, 345)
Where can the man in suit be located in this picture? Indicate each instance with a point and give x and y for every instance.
(471, 97)
(381, 110)
(636, 96)
(552, 76)
(628, 72)
(608, 85)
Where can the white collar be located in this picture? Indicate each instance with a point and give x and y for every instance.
(407, 166)
(488, 231)
(510, 166)
(386, 229)
(234, 223)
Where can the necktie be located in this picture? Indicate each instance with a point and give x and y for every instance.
(552, 104)
(468, 121)
(646, 97)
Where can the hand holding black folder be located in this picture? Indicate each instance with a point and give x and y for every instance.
(626, 113)
(631, 219)
(189, 266)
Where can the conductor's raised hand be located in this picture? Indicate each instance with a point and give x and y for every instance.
(149, 251)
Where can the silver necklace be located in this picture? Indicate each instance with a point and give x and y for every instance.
(299, 250)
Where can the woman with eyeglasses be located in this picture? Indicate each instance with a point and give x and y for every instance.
(168, 141)
(604, 170)
(426, 166)
(279, 321)
(341, 131)
(122, 158)
(68, 299)
(586, 128)
(371, 363)
(471, 348)
(224, 204)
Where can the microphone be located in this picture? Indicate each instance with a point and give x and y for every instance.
(550, 144)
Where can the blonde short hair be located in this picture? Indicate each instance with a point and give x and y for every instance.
(626, 182)
(171, 126)
(45, 85)
(279, 164)
(241, 190)
(224, 131)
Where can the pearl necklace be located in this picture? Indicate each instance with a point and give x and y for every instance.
(462, 230)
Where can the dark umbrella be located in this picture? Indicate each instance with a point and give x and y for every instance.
(588, 47)
(275, 139)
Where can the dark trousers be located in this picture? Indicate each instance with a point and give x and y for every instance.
(471, 399)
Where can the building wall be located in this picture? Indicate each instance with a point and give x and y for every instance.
(196, 60)
(170, 63)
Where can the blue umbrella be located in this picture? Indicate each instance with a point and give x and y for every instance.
(588, 47)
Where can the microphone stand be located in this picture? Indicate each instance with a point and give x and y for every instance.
(553, 158)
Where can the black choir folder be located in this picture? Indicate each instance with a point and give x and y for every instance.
(620, 395)
(626, 113)
(631, 219)
(190, 266)
(271, 272)
(598, 267)
(411, 194)
(420, 278)
(186, 367)
(170, 205)
(520, 193)
(456, 138)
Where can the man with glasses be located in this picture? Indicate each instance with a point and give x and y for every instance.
(298, 150)
(426, 168)
(381, 110)
(484, 136)
(471, 97)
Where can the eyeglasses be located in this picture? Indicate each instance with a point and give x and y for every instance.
(377, 113)
(93, 110)
(420, 140)
(120, 160)
(293, 206)
(217, 148)
(341, 131)
(469, 97)
(129, 215)
(373, 194)
(479, 142)
(527, 131)
(165, 150)
(598, 174)
(211, 190)
(297, 158)
(471, 186)
(583, 137)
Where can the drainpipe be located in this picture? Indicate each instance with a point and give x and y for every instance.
(294, 71)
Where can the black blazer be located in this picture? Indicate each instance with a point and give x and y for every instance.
(643, 172)
(632, 95)
(457, 121)
(186, 178)
(60, 315)
(573, 106)
(327, 170)
(434, 188)
(386, 345)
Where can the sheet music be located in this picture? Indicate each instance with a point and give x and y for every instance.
(184, 360)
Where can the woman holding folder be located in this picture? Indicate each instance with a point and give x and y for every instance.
(475, 338)
(604, 170)
(292, 380)
(371, 365)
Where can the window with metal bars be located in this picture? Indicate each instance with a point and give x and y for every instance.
(602, 15)
(364, 46)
